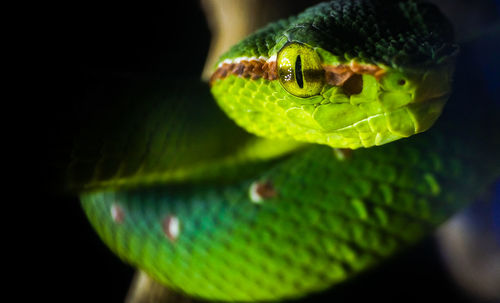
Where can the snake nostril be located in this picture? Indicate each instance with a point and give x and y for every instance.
(353, 85)
(402, 82)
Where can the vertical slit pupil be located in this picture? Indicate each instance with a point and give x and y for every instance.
(298, 72)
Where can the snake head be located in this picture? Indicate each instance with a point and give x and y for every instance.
(336, 77)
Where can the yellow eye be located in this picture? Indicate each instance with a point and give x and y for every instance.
(299, 70)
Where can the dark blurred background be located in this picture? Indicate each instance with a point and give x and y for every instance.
(83, 45)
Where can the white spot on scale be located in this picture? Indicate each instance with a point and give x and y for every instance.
(254, 196)
(261, 190)
(117, 213)
(171, 227)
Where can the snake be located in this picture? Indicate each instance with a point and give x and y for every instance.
(323, 145)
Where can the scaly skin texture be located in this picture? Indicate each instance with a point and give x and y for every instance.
(158, 132)
(410, 43)
(178, 193)
(394, 33)
(327, 221)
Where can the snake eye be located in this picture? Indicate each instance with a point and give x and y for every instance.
(299, 70)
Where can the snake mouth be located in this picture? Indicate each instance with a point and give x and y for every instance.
(393, 125)
(385, 127)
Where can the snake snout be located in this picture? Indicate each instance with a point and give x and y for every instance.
(427, 93)
(434, 84)
(430, 97)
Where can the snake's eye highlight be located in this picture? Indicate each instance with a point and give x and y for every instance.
(299, 70)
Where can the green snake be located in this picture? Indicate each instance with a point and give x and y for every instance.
(266, 210)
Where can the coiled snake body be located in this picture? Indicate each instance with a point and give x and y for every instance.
(175, 188)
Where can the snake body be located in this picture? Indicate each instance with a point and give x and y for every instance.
(178, 190)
